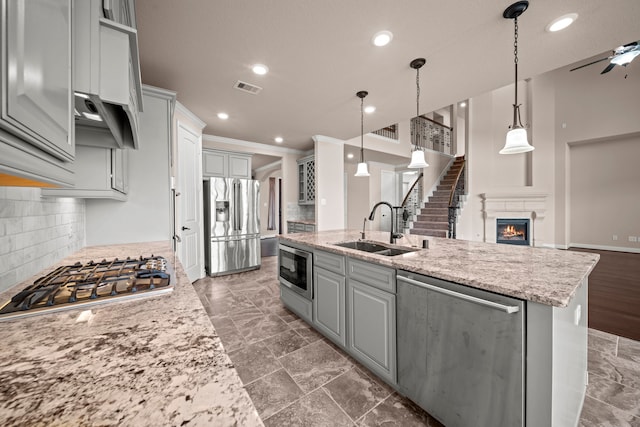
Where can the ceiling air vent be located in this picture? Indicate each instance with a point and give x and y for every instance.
(247, 87)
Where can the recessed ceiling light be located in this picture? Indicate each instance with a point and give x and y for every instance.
(349, 156)
(463, 104)
(562, 22)
(223, 116)
(260, 69)
(382, 38)
(369, 109)
(278, 139)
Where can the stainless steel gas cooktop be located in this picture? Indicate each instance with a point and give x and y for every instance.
(84, 285)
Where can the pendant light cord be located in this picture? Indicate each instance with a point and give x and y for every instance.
(362, 130)
(417, 136)
(515, 55)
(517, 122)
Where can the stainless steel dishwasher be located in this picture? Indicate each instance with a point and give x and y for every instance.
(460, 352)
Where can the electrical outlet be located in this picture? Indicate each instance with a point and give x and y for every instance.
(615, 237)
(633, 238)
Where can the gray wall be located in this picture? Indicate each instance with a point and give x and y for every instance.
(35, 232)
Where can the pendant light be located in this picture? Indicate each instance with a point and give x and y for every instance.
(417, 156)
(362, 166)
(516, 141)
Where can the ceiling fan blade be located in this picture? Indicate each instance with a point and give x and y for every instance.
(609, 68)
(590, 63)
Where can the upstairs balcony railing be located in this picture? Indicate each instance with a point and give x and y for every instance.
(432, 135)
(390, 131)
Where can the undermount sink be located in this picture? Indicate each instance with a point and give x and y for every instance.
(375, 248)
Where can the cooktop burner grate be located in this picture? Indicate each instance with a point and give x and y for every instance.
(76, 285)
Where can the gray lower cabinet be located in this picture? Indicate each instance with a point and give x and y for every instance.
(329, 304)
(296, 303)
(461, 352)
(299, 227)
(371, 320)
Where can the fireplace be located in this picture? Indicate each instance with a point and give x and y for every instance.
(512, 231)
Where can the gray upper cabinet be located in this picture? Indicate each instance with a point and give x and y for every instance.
(36, 113)
(107, 84)
(224, 164)
(307, 181)
(101, 173)
(371, 321)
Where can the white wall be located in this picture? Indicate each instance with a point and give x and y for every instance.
(605, 193)
(147, 214)
(36, 232)
(589, 107)
(563, 109)
(263, 177)
(329, 159)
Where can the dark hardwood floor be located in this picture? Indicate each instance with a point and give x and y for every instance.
(614, 293)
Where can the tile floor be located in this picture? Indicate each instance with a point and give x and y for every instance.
(295, 377)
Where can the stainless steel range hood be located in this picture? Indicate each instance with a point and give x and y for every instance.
(107, 80)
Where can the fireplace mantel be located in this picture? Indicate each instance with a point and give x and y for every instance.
(527, 205)
(524, 205)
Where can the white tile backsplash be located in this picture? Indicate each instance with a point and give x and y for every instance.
(36, 232)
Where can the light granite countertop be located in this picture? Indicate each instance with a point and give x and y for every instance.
(542, 275)
(148, 362)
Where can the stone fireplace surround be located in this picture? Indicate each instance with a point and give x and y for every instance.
(513, 205)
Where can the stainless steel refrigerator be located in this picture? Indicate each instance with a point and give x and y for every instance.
(232, 225)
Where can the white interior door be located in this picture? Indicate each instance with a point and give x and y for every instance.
(388, 193)
(189, 202)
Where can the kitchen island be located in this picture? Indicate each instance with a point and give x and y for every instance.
(148, 362)
(475, 333)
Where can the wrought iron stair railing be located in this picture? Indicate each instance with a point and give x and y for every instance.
(457, 190)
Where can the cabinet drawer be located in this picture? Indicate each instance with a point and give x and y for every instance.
(309, 227)
(373, 275)
(298, 227)
(299, 305)
(331, 262)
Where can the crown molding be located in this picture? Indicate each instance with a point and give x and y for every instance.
(329, 139)
(184, 110)
(250, 144)
(272, 165)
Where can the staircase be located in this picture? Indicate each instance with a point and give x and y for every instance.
(433, 218)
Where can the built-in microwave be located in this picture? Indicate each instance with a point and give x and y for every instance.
(295, 270)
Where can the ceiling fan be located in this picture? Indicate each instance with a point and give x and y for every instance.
(622, 56)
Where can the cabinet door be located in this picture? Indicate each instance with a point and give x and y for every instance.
(239, 166)
(214, 164)
(36, 74)
(328, 304)
(310, 181)
(371, 319)
(301, 183)
(120, 170)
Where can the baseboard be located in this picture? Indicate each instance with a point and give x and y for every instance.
(553, 246)
(604, 248)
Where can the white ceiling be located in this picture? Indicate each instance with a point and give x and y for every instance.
(319, 53)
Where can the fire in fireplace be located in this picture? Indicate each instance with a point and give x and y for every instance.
(512, 231)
